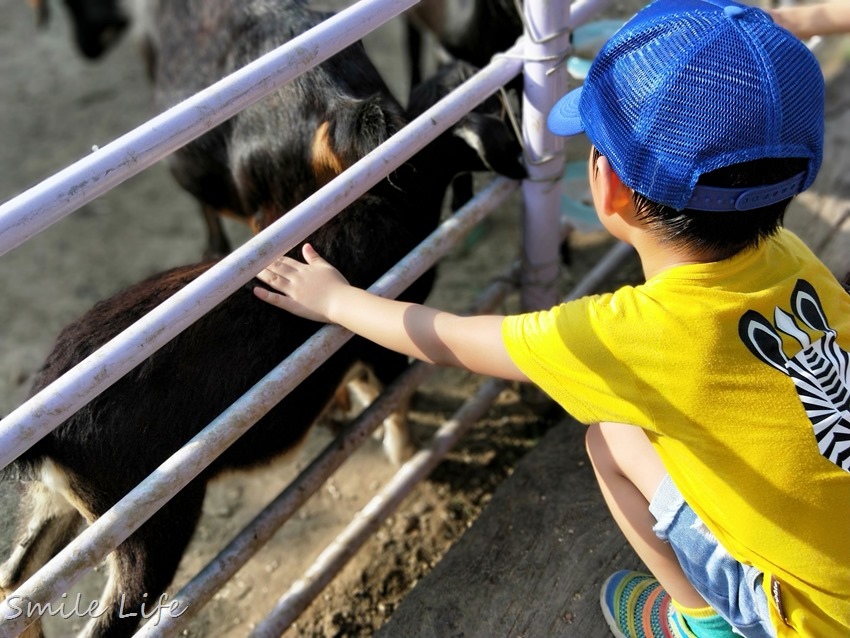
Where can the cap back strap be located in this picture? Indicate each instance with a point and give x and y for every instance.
(718, 199)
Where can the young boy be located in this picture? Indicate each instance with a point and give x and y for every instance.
(718, 392)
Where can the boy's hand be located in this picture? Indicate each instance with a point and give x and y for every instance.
(821, 18)
(308, 289)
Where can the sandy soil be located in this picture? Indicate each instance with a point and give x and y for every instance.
(55, 107)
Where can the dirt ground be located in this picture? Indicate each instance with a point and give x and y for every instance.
(55, 107)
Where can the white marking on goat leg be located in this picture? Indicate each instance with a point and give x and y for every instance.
(394, 432)
(364, 387)
(10, 567)
(398, 444)
(57, 480)
(43, 505)
(108, 599)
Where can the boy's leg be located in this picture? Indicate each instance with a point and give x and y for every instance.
(629, 471)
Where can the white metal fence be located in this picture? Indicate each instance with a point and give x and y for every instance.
(539, 55)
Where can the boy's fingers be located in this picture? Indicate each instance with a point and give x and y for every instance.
(279, 301)
(284, 262)
(267, 295)
(275, 299)
(310, 254)
(272, 278)
(265, 275)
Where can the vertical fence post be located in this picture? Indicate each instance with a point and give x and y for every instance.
(545, 80)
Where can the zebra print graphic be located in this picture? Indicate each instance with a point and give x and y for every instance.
(820, 370)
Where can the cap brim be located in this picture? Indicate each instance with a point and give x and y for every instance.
(564, 118)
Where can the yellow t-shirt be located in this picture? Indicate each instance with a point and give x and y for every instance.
(739, 373)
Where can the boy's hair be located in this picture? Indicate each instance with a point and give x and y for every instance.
(721, 234)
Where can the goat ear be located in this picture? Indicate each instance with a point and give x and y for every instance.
(762, 339)
(494, 142)
(807, 306)
(359, 128)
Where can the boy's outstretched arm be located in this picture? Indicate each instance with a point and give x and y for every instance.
(316, 290)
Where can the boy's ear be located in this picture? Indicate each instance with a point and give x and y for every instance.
(615, 197)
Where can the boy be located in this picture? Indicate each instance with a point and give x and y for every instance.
(717, 393)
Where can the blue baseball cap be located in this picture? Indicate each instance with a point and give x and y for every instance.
(689, 86)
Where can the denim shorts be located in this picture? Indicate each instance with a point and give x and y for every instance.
(732, 589)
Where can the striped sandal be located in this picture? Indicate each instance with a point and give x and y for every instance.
(636, 606)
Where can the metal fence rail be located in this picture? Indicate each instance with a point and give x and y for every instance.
(536, 55)
(54, 404)
(85, 180)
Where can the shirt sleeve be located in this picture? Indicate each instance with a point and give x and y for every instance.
(575, 354)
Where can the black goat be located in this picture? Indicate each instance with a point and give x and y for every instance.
(469, 30)
(287, 147)
(309, 130)
(222, 41)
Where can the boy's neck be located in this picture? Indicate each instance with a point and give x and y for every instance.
(657, 256)
(615, 206)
